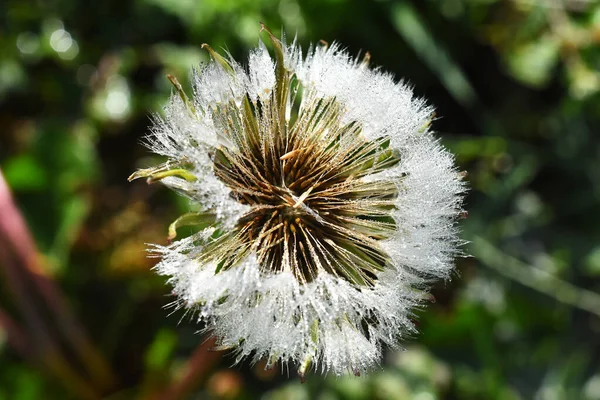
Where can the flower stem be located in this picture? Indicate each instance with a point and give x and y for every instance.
(535, 278)
(27, 278)
(194, 372)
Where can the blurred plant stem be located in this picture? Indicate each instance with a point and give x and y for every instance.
(411, 27)
(535, 278)
(193, 373)
(15, 336)
(29, 282)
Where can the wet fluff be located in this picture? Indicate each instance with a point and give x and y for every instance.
(325, 206)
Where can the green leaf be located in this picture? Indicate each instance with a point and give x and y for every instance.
(411, 27)
(534, 62)
(25, 173)
(160, 351)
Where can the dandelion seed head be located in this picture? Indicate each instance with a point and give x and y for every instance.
(331, 205)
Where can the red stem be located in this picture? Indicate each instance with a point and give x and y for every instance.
(197, 367)
(22, 268)
(15, 336)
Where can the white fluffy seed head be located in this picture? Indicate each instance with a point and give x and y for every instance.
(333, 206)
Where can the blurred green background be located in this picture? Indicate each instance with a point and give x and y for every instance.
(516, 86)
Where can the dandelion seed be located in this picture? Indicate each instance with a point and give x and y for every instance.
(330, 205)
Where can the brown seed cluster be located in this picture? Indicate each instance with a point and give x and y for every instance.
(311, 210)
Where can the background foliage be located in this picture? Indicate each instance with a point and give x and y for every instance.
(516, 85)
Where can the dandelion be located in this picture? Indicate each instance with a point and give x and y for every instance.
(325, 206)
